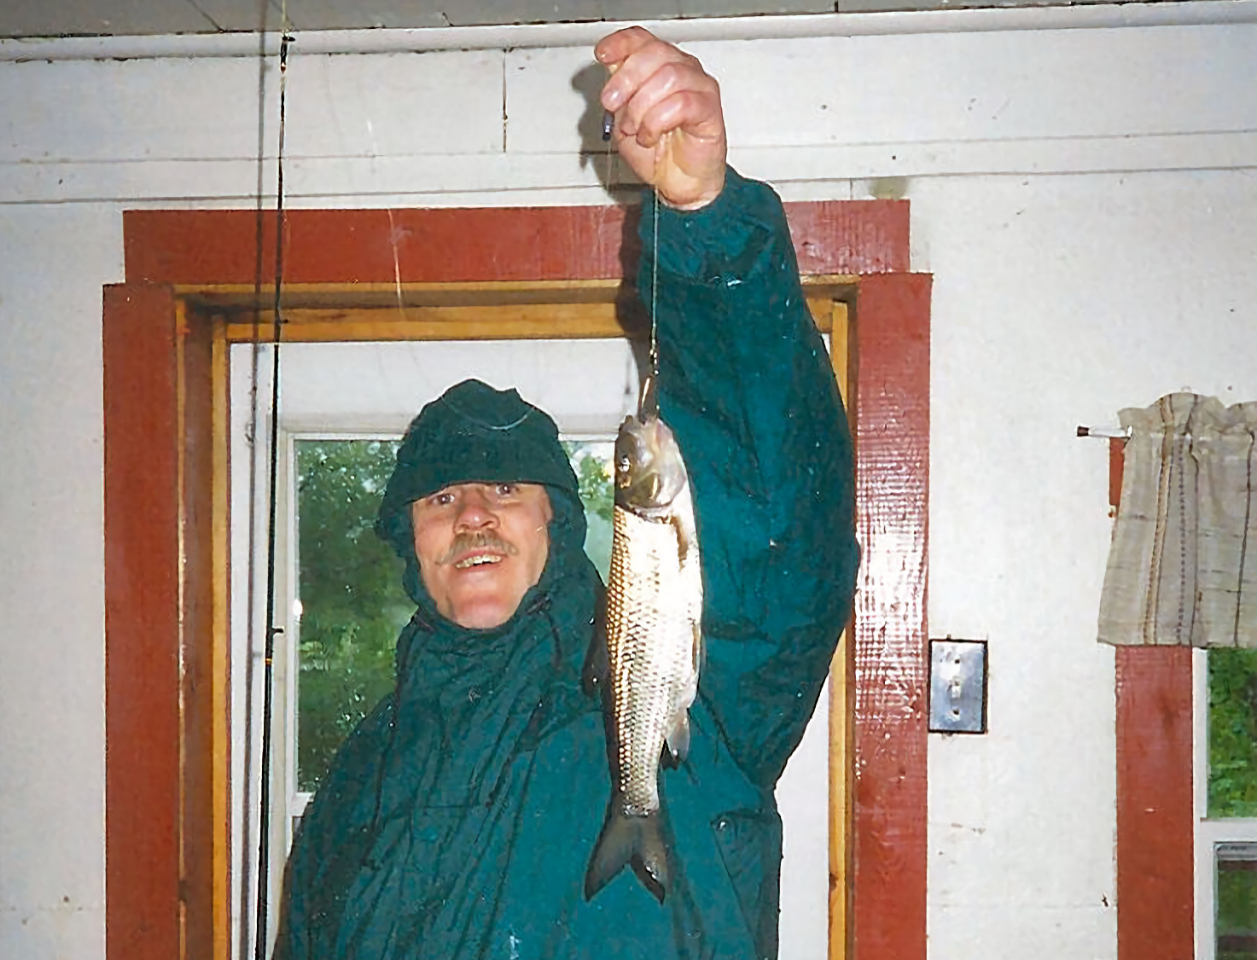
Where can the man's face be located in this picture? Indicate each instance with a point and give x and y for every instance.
(480, 547)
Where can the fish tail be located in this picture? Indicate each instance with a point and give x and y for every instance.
(629, 840)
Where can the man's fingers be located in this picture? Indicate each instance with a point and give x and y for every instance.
(670, 79)
(686, 110)
(630, 75)
(615, 47)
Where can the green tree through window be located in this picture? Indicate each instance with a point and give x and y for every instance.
(1232, 792)
(1232, 733)
(352, 601)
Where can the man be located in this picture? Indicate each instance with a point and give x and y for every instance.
(458, 820)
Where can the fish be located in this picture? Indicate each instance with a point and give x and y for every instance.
(653, 648)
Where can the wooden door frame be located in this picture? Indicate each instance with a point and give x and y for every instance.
(164, 336)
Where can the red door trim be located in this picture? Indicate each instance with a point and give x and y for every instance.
(199, 248)
(209, 247)
(142, 676)
(891, 682)
(1155, 806)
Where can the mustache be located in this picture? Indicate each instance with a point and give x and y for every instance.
(466, 542)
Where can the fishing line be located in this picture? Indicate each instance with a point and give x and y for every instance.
(648, 403)
(264, 814)
(392, 229)
(654, 292)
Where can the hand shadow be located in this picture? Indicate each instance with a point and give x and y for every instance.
(616, 178)
(624, 190)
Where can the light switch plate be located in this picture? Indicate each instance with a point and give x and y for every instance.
(957, 686)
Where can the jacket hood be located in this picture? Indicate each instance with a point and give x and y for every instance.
(475, 433)
(520, 679)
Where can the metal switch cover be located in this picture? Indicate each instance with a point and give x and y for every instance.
(958, 686)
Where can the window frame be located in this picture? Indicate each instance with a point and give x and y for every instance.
(1209, 831)
(286, 801)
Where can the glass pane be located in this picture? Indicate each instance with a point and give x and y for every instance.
(1232, 733)
(591, 459)
(352, 602)
(1236, 879)
(349, 582)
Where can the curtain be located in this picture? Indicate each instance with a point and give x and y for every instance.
(1182, 567)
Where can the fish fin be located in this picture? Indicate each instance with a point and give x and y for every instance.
(626, 840)
(678, 742)
(651, 860)
(613, 850)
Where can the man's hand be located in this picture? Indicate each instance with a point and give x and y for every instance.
(668, 122)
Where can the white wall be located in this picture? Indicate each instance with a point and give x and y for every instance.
(1057, 301)
(1084, 198)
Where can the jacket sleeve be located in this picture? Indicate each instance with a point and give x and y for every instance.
(746, 385)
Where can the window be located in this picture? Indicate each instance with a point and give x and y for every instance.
(338, 587)
(347, 604)
(1226, 803)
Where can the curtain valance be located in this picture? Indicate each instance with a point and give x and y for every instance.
(1182, 567)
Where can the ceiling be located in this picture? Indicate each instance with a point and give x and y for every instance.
(41, 19)
(61, 18)
(130, 18)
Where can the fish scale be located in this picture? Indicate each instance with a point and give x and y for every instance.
(651, 648)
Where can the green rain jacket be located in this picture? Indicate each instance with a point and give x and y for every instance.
(459, 818)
